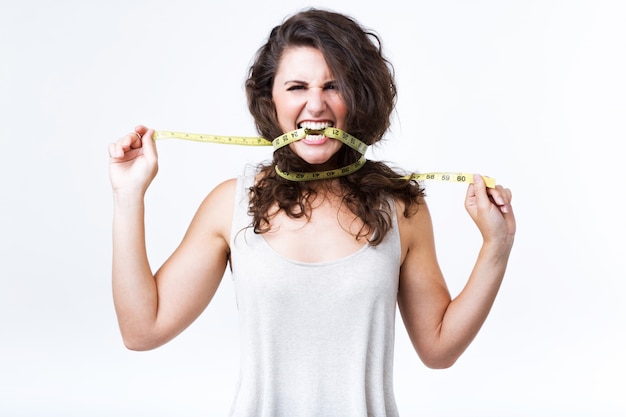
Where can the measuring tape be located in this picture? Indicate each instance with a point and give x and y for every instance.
(199, 137)
(451, 177)
(329, 132)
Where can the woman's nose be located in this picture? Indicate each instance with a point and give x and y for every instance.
(316, 101)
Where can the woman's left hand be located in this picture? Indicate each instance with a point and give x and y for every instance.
(491, 210)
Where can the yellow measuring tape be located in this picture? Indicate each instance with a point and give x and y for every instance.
(329, 132)
(198, 137)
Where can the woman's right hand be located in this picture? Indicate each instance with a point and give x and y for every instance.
(133, 161)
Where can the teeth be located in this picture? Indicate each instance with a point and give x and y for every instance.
(315, 125)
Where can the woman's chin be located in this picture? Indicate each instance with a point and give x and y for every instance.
(316, 156)
(318, 162)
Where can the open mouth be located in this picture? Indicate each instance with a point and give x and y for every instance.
(314, 130)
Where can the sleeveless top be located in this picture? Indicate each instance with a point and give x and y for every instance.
(317, 339)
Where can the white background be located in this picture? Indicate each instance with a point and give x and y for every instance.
(530, 92)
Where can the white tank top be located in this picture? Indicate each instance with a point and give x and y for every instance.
(317, 339)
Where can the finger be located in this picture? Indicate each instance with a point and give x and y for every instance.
(140, 130)
(115, 150)
(125, 144)
(134, 140)
(501, 197)
(128, 142)
(508, 197)
(506, 194)
(149, 147)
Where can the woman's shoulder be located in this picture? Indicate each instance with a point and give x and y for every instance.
(220, 199)
(223, 187)
(231, 186)
(214, 215)
(414, 221)
(408, 215)
(415, 227)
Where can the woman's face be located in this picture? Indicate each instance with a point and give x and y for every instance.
(305, 95)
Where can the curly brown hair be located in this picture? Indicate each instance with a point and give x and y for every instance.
(365, 79)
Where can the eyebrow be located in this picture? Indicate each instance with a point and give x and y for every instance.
(306, 83)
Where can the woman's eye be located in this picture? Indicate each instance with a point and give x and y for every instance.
(295, 87)
(330, 87)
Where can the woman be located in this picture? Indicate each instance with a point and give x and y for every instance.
(318, 265)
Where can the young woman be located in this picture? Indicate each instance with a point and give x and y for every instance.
(318, 265)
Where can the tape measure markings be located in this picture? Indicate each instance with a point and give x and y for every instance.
(450, 177)
(199, 137)
(329, 132)
(319, 175)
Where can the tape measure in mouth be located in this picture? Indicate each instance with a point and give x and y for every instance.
(329, 132)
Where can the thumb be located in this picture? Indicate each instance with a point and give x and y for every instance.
(477, 192)
(148, 144)
(480, 188)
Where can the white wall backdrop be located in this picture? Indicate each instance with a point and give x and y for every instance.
(530, 92)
